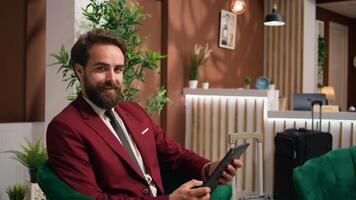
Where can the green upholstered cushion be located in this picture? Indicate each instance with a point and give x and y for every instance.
(54, 188)
(331, 176)
(222, 192)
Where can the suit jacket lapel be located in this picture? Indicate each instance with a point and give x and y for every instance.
(133, 128)
(136, 131)
(94, 122)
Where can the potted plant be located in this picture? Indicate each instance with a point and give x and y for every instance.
(247, 82)
(33, 155)
(16, 191)
(205, 84)
(271, 85)
(197, 58)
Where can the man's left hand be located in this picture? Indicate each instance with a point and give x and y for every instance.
(230, 171)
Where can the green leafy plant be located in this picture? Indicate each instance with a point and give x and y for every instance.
(247, 80)
(122, 17)
(322, 51)
(16, 191)
(322, 54)
(197, 58)
(33, 155)
(156, 102)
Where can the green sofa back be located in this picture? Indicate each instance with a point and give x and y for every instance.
(331, 176)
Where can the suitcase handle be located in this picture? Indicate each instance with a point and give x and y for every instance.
(320, 103)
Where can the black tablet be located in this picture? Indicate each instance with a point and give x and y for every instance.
(234, 152)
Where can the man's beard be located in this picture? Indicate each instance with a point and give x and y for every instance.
(96, 93)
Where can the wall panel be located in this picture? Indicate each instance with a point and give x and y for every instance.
(284, 48)
(22, 54)
(197, 22)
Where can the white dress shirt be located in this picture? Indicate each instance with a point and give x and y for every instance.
(106, 120)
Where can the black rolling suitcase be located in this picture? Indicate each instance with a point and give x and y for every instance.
(292, 148)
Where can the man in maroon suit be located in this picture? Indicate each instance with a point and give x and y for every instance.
(107, 149)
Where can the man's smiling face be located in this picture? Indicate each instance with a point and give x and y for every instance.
(101, 79)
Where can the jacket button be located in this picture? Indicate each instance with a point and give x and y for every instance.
(145, 190)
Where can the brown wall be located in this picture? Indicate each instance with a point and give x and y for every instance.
(35, 60)
(351, 100)
(12, 56)
(174, 28)
(151, 29)
(22, 60)
(192, 22)
(327, 16)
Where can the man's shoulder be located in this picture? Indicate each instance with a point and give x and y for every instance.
(131, 108)
(69, 112)
(77, 109)
(128, 105)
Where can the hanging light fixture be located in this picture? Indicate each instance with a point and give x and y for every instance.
(238, 6)
(274, 19)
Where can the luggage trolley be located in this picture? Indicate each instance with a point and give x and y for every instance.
(258, 137)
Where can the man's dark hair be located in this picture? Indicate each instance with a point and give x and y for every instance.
(80, 50)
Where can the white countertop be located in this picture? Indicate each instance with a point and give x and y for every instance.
(307, 115)
(228, 92)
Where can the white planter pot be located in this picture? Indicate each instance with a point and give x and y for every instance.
(247, 86)
(35, 193)
(205, 85)
(193, 84)
(272, 87)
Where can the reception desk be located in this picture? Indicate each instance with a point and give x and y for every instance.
(214, 113)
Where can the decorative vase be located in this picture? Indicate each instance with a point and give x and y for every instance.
(205, 85)
(35, 192)
(193, 84)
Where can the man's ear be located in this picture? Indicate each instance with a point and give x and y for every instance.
(79, 71)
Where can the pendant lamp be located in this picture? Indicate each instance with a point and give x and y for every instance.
(238, 6)
(274, 19)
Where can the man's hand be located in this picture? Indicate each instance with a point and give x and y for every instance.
(185, 192)
(228, 174)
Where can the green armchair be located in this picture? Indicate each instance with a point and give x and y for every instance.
(331, 176)
(55, 189)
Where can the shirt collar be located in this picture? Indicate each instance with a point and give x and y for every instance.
(97, 109)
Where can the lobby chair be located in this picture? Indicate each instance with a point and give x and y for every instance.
(56, 189)
(331, 176)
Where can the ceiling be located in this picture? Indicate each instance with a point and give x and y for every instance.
(345, 8)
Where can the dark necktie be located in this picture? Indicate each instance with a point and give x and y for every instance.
(119, 132)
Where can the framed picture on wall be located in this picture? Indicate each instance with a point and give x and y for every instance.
(227, 34)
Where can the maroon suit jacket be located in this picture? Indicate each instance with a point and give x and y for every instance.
(86, 155)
